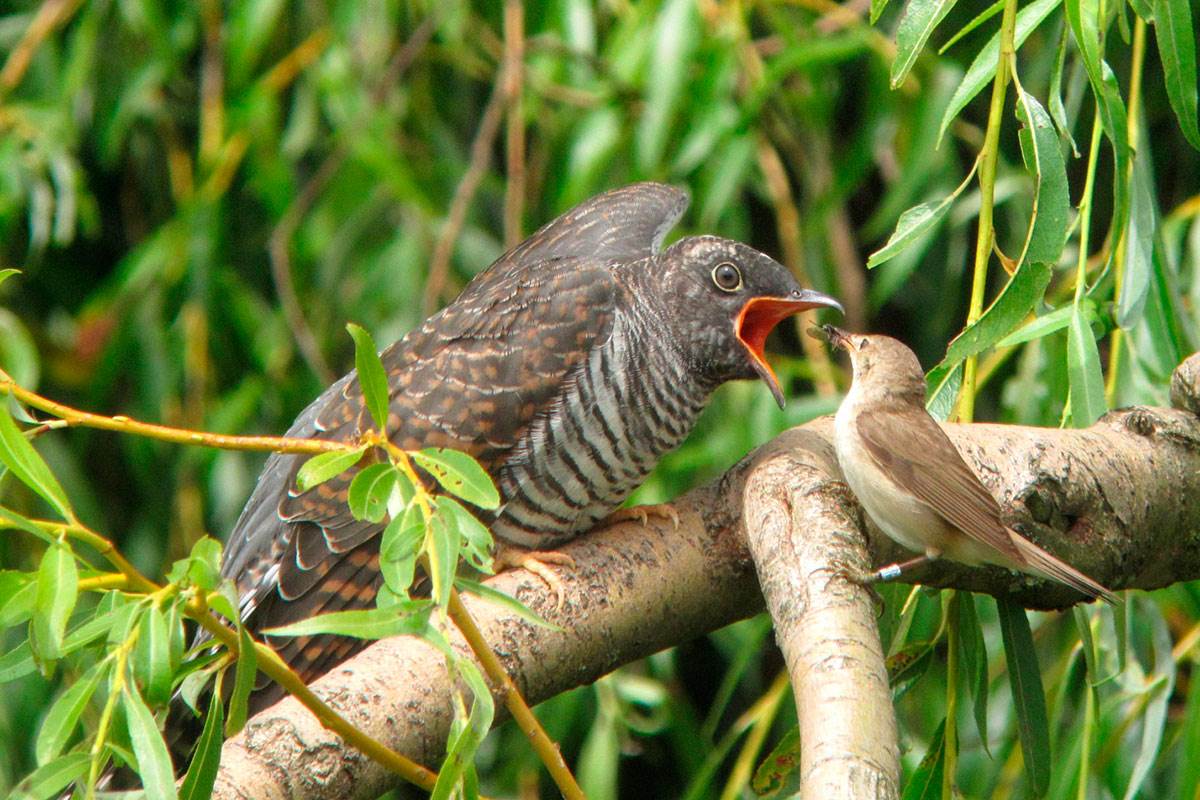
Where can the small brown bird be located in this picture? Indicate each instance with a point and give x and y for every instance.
(912, 481)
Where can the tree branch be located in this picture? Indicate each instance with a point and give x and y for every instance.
(1117, 500)
(804, 537)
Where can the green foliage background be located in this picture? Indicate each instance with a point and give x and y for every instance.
(149, 152)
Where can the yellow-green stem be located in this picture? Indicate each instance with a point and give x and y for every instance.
(102, 583)
(1085, 208)
(165, 433)
(539, 740)
(987, 196)
(1137, 59)
(114, 694)
(522, 714)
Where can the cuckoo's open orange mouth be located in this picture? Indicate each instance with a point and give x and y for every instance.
(759, 317)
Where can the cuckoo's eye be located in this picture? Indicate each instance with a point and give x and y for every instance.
(727, 277)
(862, 345)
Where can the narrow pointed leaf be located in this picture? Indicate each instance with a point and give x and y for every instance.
(372, 377)
(202, 773)
(16, 605)
(1029, 697)
(1025, 289)
(243, 682)
(475, 537)
(409, 617)
(912, 224)
(443, 555)
(57, 591)
(1139, 243)
(983, 69)
(493, 595)
(64, 715)
(152, 657)
(1083, 18)
(974, 660)
(1084, 372)
(943, 384)
(1051, 196)
(460, 475)
(1176, 35)
(778, 775)
(24, 462)
(926, 780)
(154, 763)
(398, 548)
(50, 779)
(1044, 325)
(324, 466)
(920, 19)
(370, 491)
(1058, 111)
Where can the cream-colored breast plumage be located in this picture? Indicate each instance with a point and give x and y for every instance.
(899, 514)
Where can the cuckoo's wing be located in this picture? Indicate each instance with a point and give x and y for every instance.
(628, 224)
(471, 378)
(915, 451)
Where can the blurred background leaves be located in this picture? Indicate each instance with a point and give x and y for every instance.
(201, 195)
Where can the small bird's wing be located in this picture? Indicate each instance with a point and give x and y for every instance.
(914, 450)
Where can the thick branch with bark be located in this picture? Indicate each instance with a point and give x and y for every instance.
(1118, 500)
(805, 538)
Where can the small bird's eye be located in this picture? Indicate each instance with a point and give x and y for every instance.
(863, 343)
(727, 277)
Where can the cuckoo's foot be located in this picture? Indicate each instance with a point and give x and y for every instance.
(536, 561)
(642, 514)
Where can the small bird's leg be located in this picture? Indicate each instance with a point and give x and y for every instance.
(893, 571)
(642, 514)
(511, 557)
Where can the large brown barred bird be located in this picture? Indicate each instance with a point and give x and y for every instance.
(567, 368)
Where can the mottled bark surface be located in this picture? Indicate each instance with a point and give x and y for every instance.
(1120, 500)
(804, 535)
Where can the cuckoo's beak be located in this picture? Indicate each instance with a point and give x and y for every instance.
(759, 317)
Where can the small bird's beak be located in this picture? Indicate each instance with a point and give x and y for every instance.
(839, 338)
(760, 316)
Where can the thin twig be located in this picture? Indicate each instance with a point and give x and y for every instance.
(75, 417)
(514, 701)
(481, 153)
(50, 15)
(514, 76)
(271, 665)
(288, 68)
(212, 83)
(279, 247)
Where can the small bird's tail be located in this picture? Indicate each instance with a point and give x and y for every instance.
(1046, 565)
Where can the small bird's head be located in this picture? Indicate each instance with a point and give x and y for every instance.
(880, 362)
(724, 298)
